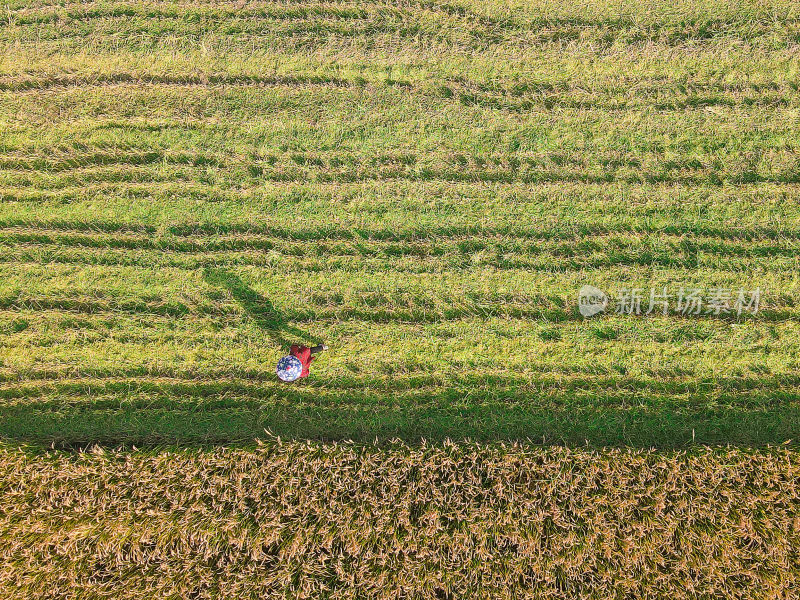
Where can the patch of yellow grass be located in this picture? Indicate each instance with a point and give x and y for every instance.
(307, 520)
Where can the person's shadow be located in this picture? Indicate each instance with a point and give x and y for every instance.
(259, 308)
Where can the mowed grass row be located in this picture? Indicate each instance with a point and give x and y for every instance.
(314, 520)
(407, 140)
(407, 211)
(613, 346)
(455, 248)
(314, 294)
(455, 26)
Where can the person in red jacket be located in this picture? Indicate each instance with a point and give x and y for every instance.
(295, 366)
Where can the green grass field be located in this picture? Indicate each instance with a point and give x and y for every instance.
(188, 188)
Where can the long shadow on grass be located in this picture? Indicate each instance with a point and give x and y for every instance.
(608, 412)
(259, 308)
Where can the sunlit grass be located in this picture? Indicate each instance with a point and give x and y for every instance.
(187, 189)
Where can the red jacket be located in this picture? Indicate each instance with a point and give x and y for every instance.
(303, 354)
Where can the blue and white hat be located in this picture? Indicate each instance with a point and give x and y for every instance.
(289, 368)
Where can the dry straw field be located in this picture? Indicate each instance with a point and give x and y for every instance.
(188, 187)
(308, 520)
